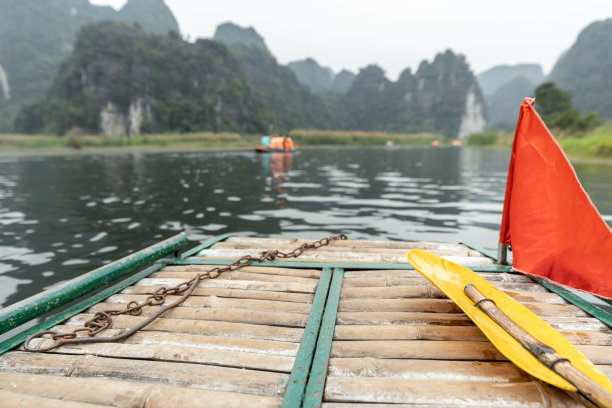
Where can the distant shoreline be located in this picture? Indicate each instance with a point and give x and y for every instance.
(111, 150)
(79, 145)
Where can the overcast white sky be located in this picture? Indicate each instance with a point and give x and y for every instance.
(397, 34)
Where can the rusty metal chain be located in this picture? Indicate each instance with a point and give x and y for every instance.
(103, 320)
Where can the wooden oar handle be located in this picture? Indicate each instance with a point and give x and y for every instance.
(544, 353)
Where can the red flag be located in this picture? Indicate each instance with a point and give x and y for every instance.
(554, 229)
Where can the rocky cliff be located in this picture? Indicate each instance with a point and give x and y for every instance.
(291, 104)
(442, 96)
(230, 34)
(585, 69)
(317, 78)
(36, 35)
(120, 80)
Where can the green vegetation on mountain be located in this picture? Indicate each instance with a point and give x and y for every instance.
(291, 104)
(317, 78)
(230, 34)
(555, 107)
(37, 35)
(342, 82)
(121, 77)
(434, 99)
(585, 68)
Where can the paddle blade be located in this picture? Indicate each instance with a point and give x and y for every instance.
(451, 279)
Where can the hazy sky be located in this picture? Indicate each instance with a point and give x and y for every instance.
(397, 34)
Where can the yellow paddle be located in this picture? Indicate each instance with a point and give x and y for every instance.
(455, 280)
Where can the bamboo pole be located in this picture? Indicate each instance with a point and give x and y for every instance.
(544, 353)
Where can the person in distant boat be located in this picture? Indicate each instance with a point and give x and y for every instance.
(287, 143)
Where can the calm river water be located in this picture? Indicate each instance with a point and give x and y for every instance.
(63, 216)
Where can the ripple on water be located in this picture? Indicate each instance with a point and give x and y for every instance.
(213, 227)
(75, 261)
(9, 285)
(106, 249)
(98, 237)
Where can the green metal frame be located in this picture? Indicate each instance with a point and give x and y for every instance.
(480, 249)
(301, 368)
(585, 301)
(318, 373)
(193, 251)
(78, 307)
(37, 305)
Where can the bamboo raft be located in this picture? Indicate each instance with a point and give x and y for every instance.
(347, 325)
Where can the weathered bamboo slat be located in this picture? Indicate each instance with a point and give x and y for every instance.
(178, 374)
(303, 273)
(457, 319)
(428, 370)
(408, 273)
(173, 353)
(226, 314)
(440, 350)
(430, 291)
(454, 251)
(417, 349)
(267, 242)
(385, 281)
(238, 275)
(445, 305)
(235, 284)
(451, 394)
(416, 331)
(232, 293)
(210, 343)
(450, 333)
(14, 400)
(376, 318)
(323, 256)
(202, 327)
(133, 394)
(434, 370)
(398, 305)
(219, 302)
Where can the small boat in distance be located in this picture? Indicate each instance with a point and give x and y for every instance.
(275, 144)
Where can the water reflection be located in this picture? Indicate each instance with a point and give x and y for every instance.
(60, 217)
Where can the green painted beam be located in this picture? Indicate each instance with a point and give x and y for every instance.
(301, 368)
(318, 372)
(207, 244)
(78, 307)
(37, 305)
(319, 265)
(481, 250)
(585, 301)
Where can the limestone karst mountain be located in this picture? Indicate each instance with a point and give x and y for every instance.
(37, 35)
(584, 69)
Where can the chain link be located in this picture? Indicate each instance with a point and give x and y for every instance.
(103, 320)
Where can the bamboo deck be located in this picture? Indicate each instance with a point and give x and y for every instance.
(387, 338)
